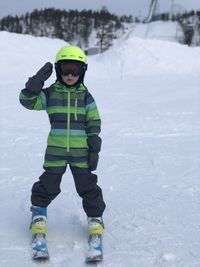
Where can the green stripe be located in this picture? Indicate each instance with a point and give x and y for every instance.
(62, 109)
(23, 97)
(64, 96)
(39, 104)
(79, 96)
(93, 123)
(55, 163)
(67, 142)
(93, 114)
(80, 164)
(79, 142)
(78, 110)
(57, 141)
(38, 101)
(62, 89)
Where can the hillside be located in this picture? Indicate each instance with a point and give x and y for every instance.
(159, 30)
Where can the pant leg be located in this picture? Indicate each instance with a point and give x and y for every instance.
(48, 186)
(89, 191)
(46, 189)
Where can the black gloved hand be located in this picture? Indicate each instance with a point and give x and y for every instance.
(36, 83)
(94, 143)
(93, 159)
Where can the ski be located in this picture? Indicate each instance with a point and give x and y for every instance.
(95, 249)
(39, 246)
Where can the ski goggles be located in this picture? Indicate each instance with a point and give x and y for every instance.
(74, 68)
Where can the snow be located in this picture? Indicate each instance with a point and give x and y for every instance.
(148, 96)
(159, 30)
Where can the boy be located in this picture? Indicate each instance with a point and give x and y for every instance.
(73, 138)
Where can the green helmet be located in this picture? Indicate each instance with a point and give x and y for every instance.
(71, 53)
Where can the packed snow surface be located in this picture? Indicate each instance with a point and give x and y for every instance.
(148, 95)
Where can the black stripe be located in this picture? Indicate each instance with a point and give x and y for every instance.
(26, 102)
(28, 93)
(63, 151)
(67, 158)
(89, 99)
(93, 129)
(58, 170)
(73, 125)
(62, 117)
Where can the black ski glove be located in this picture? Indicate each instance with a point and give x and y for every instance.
(93, 159)
(36, 83)
(94, 143)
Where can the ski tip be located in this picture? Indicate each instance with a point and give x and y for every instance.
(40, 256)
(92, 260)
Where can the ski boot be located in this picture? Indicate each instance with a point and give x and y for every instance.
(38, 228)
(95, 232)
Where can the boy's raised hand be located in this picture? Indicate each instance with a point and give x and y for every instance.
(45, 72)
(36, 83)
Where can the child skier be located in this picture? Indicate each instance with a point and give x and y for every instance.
(73, 139)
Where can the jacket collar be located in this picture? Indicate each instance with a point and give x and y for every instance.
(59, 87)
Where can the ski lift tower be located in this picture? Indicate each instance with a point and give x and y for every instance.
(152, 9)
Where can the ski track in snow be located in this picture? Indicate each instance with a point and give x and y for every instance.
(148, 170)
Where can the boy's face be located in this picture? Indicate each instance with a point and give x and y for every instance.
(71, 71)
(70, 79)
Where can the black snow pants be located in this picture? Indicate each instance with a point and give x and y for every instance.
(48, 187)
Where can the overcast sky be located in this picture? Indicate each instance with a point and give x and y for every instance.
(120, 7)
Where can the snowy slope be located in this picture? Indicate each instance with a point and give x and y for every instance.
(160, 30)
(136, 57)
(148, 95)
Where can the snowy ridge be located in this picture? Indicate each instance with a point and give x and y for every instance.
(139, 57)
(26, 50)
(148, 96)
(160, 30)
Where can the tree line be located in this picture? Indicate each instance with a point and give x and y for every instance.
(76, 26)
(69, 25)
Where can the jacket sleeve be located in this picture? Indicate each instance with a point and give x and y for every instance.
(93, 121)
(33, 101)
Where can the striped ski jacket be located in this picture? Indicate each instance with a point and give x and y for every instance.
(72, 112)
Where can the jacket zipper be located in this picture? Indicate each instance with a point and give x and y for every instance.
(68, 120)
